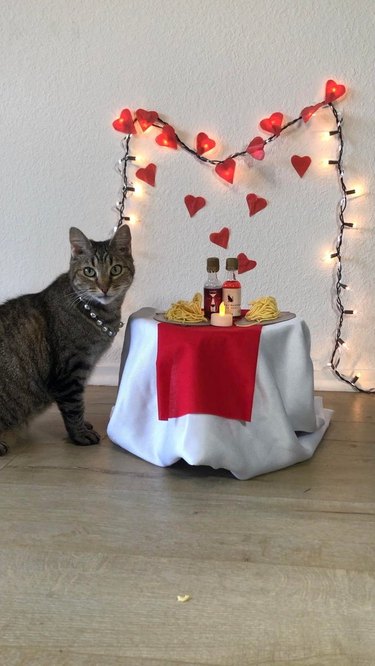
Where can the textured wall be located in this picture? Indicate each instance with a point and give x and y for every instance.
(68, 68)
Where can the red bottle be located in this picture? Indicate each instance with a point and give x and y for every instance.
(232, 289)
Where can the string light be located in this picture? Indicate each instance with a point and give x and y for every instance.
(126, 188)
(170, 138)
(339, 285)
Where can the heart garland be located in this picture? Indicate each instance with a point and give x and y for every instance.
(220, 237)
(255, 203)
(147, 174)
(167, 138)
(309, 111)
(226, 170)
(204, 143)
(272, 124)
(334, 91)
(124, 123)
(194, 204)
(146, 118)
(256, 148)
(244, 263)
(301, 164)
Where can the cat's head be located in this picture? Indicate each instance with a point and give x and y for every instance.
(101, 270)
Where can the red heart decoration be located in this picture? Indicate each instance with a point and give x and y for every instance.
(334, 90)
(301, 164)
(245, 264)
(124, 123)
(309, 111)
(226, 169)
(256, 148)
(220, 237)
(255, 203)
(204, 143)
(194, 204)
(146, 118)
(167, 137)
(273, 123)
(147, 174)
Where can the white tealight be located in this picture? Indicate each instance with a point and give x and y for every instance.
(221, 318)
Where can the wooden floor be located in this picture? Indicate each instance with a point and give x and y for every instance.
(96, 545)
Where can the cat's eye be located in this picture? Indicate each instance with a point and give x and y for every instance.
(116, 269)
(89, 272)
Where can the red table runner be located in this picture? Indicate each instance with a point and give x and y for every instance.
(206, 370)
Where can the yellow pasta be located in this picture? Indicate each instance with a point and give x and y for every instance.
(262, 309)
(186, 311)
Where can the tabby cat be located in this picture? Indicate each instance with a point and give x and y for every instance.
(50, 341)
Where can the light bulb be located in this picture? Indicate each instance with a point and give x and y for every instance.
(138, 190)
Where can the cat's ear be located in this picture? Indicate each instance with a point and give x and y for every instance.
(122, 240)
(79, 243)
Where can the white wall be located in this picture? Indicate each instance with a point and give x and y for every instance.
(69, 67)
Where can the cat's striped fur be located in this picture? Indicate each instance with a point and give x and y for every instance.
(49, 343)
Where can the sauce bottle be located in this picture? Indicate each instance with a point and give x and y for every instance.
(212, 290)
(232, 289)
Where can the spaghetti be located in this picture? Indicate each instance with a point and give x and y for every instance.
(186, 311)
(263, 309)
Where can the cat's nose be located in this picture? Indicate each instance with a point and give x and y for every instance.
(103, 287)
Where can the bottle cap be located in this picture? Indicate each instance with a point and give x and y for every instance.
(232, 264)
(213, 265)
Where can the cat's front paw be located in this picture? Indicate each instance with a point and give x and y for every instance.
(3, 449)
(85, 437)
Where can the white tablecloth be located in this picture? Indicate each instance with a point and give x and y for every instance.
(287, 422)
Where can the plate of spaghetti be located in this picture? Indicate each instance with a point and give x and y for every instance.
(264, 311)
(184, 313)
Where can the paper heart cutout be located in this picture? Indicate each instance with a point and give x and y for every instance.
(226, 169)
(255, 203)
(124, 123)
(167, 137)
(146, 118)
(194, 204)
(334, 90)
(256, 148)
(147, 174)
(204, 143)
(220, 237)
(309, 111)
(244, 263)
(301, 164)
(273, 123)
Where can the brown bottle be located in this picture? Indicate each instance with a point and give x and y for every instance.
(213, 291)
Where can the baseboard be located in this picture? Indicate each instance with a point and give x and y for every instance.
(324, 380)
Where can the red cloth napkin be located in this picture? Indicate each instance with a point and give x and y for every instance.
(206, 370)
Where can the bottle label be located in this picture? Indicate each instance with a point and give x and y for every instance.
(232, 300)
(212, 300)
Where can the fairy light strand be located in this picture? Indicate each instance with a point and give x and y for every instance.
(339, 285)
(120, 206)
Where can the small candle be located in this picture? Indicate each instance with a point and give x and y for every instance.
(220, 318)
